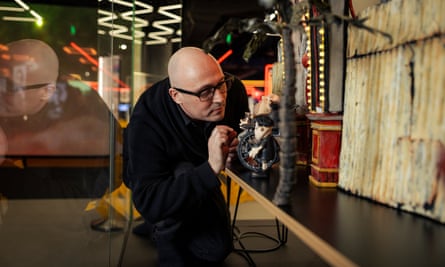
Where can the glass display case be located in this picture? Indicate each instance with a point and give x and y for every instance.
(70, 73)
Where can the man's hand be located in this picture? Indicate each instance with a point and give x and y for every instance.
(231, 157)
(221, 144)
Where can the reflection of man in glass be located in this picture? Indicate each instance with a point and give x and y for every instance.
(3, 145)
(46, 114)
(39, 119)
(28, 75)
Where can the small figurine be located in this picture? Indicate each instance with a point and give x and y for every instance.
(258, 149)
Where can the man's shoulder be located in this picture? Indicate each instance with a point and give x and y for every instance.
(154, 92)
(163, 84)
(155, 100)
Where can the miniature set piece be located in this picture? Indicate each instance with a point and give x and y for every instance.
(258, 149)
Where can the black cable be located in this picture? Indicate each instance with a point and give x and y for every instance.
(283, 234)
(247, 257)
(239, 238)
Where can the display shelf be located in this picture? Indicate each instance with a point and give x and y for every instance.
(347, 230)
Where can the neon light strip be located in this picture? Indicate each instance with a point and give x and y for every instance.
(95, 63)
(23, 19)
(23, 7)
(12, 9)
(226, 55)
(20, 3)
(110, 20)
(85, 54)
(37, 16)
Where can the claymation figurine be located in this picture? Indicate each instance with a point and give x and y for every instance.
(258, 148)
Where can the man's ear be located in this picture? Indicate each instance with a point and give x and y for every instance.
(175, 95)
(48, 92)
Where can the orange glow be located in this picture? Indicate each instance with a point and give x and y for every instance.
(95, 63)
(226, 55)
(5, 57)
(88, 50)
(268, 79)
(85, 54)
(67, 50)
(83, 60)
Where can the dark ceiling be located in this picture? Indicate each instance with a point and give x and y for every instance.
(201, 19)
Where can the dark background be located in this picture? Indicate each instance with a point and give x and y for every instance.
(200, 20)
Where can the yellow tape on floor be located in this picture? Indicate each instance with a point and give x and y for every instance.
(119, 200)
(234, 187)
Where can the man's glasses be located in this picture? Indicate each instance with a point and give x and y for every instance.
(207, 94)
(7, 86)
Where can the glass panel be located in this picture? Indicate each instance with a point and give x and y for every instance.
(69, 76)
(55, 136)
(135, 41)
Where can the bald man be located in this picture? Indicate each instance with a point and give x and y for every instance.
(39, 120)
(180, 137)
(28, 75)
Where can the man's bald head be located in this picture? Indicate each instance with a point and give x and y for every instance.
(28, 75)
(31, 62)
(190, 63)
(193, 72)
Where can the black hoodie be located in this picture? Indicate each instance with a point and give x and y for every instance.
(174, 187)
